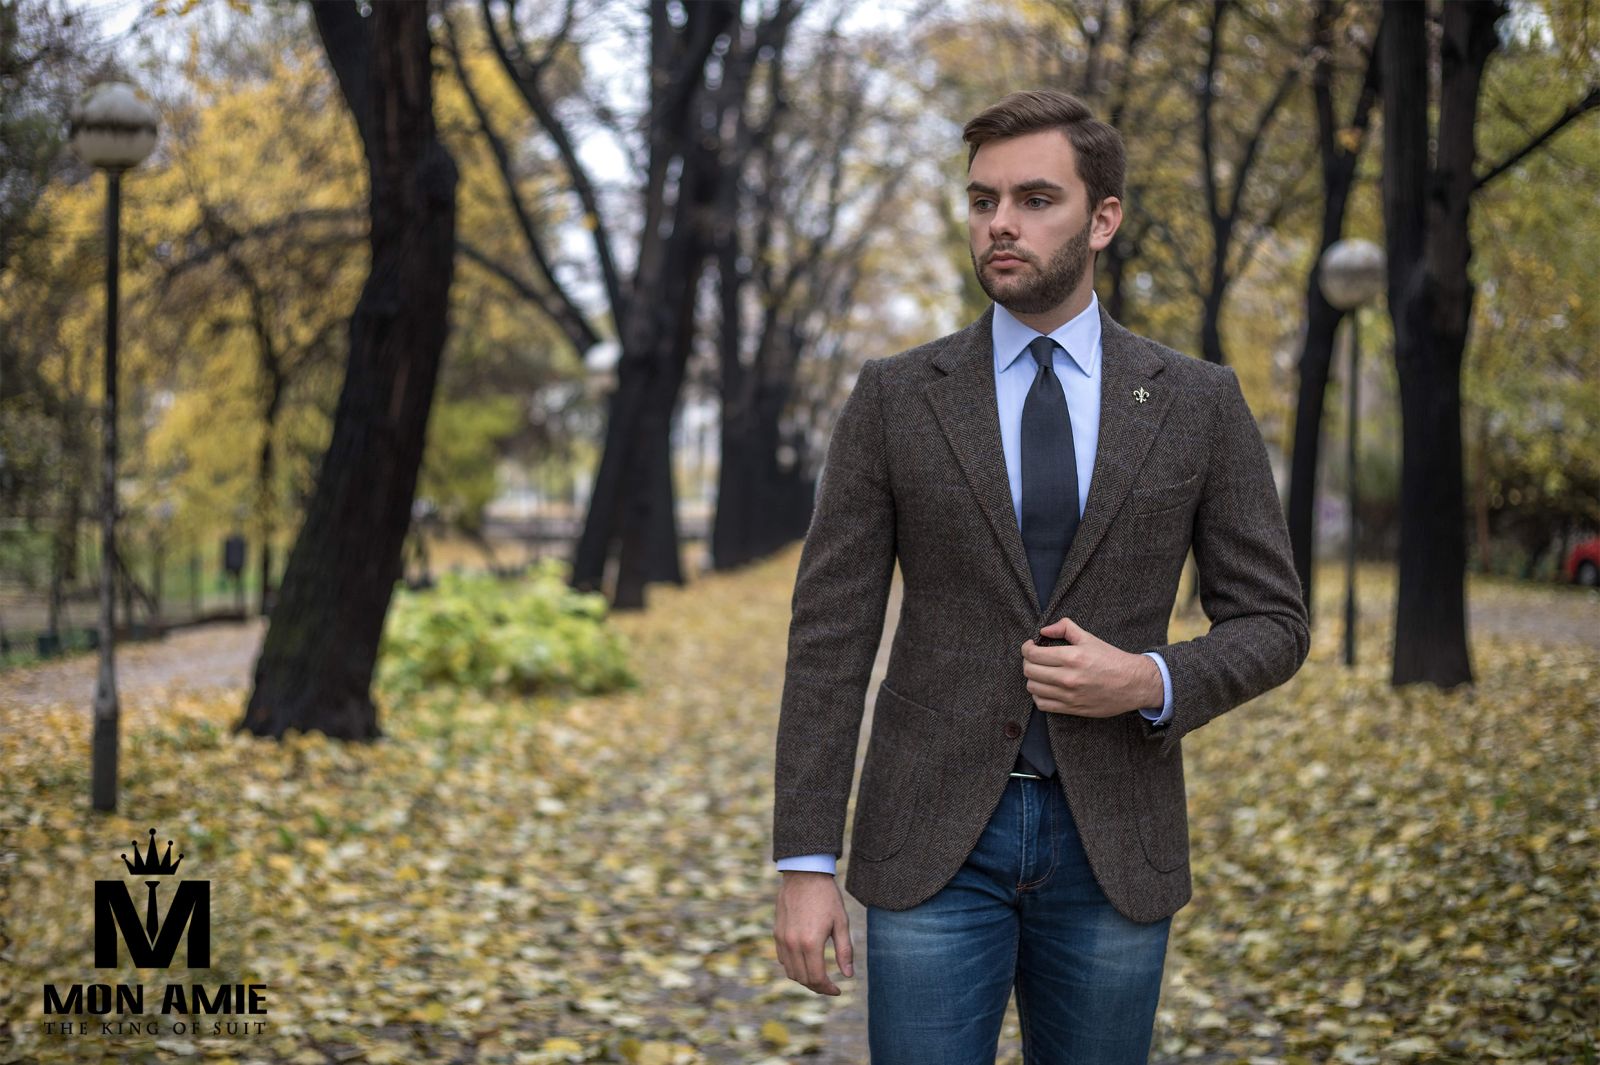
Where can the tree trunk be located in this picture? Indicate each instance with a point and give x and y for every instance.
(1316, 363)
(1430, 626)
(665, 562)
(634, 481)
(267, 463)
(316, 665)
(607, 493)
(264, 475)
(1485, 558)
(1115, 274)
(1211, 323)
(1322, 318)
(650, 534)
(1425, 210)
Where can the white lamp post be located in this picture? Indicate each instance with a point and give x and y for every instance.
(1351, 273)
(113, 128)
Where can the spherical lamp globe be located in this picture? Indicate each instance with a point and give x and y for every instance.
(1351, 272)
(112, 126)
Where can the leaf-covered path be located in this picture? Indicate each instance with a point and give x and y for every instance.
(1379, 876)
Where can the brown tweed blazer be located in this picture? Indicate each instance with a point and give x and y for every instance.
(915, 472)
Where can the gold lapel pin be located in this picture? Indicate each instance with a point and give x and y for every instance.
(1140, 395)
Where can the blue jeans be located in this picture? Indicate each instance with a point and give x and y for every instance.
(1024, 909)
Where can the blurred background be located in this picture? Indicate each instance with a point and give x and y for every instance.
(827, 228)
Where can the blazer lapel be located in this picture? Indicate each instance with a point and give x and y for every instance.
(964, 403)
(1132, 408)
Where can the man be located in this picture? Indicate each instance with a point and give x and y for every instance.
(1040, 476)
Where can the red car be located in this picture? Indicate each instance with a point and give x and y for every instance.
(1583, 563)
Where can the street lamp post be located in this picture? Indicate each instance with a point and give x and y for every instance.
(112, 128)
(1351, 273)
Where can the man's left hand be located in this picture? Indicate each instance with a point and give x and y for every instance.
(1088, 676)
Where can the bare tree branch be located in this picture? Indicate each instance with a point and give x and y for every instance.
(1181, 258)
(473, 254)
(1208, 96)
(1588, 103)
(565, 313)
(1291, 77)
(1295, 196)
(525, 75)
(295, 220)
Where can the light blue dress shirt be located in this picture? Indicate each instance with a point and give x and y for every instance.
(1076, 365)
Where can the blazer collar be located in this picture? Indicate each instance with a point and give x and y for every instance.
(1132, 408)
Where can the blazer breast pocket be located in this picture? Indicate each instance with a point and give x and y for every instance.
(1156, 499)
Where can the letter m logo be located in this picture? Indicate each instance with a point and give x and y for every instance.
(149, 947)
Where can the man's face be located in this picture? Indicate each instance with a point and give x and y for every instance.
(1030, 223)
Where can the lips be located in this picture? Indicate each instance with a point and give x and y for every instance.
(1003, 260)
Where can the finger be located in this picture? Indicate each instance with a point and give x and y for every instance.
(843, 952)
(785, 956)
(816, 968)
(1044, 693)
(1032, 652)
(1049, 667)
(1072, 631)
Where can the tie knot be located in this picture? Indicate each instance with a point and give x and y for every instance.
(1043, 349)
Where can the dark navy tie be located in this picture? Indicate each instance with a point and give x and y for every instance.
(1049, 511)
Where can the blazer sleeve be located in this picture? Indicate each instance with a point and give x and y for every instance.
(836, 623)
(1259, 632)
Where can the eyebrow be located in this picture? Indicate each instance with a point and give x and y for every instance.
(1031, 185)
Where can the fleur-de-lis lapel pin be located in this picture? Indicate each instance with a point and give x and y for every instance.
(1140, 395)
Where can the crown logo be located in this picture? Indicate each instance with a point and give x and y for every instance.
(148, 864)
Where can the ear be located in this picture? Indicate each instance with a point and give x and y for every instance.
(1104, 223)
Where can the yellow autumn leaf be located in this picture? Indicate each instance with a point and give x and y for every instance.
(561, 1045)
(775, 1034)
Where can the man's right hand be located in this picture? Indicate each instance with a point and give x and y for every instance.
(810, 912)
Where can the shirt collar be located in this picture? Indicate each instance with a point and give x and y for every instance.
(1080, 337)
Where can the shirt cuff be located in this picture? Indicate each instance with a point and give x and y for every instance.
(1150, 714)
(808, 863)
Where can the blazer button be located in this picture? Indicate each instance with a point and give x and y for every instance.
(1013, 730)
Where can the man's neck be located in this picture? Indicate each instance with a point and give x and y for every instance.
(1048, 322)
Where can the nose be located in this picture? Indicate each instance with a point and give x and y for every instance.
(1003, 223)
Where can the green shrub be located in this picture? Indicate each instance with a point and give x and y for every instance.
(525, 635)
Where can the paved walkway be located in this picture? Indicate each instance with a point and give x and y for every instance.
(222, 656)
(204, 658)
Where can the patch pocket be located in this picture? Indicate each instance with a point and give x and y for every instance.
(1163, 811)
(891, 776)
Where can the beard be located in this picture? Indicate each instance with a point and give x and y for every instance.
(1050, 285)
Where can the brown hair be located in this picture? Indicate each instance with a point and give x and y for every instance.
(1098, 149)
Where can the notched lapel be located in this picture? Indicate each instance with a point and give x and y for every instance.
(964, 402)
(1127, 429)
